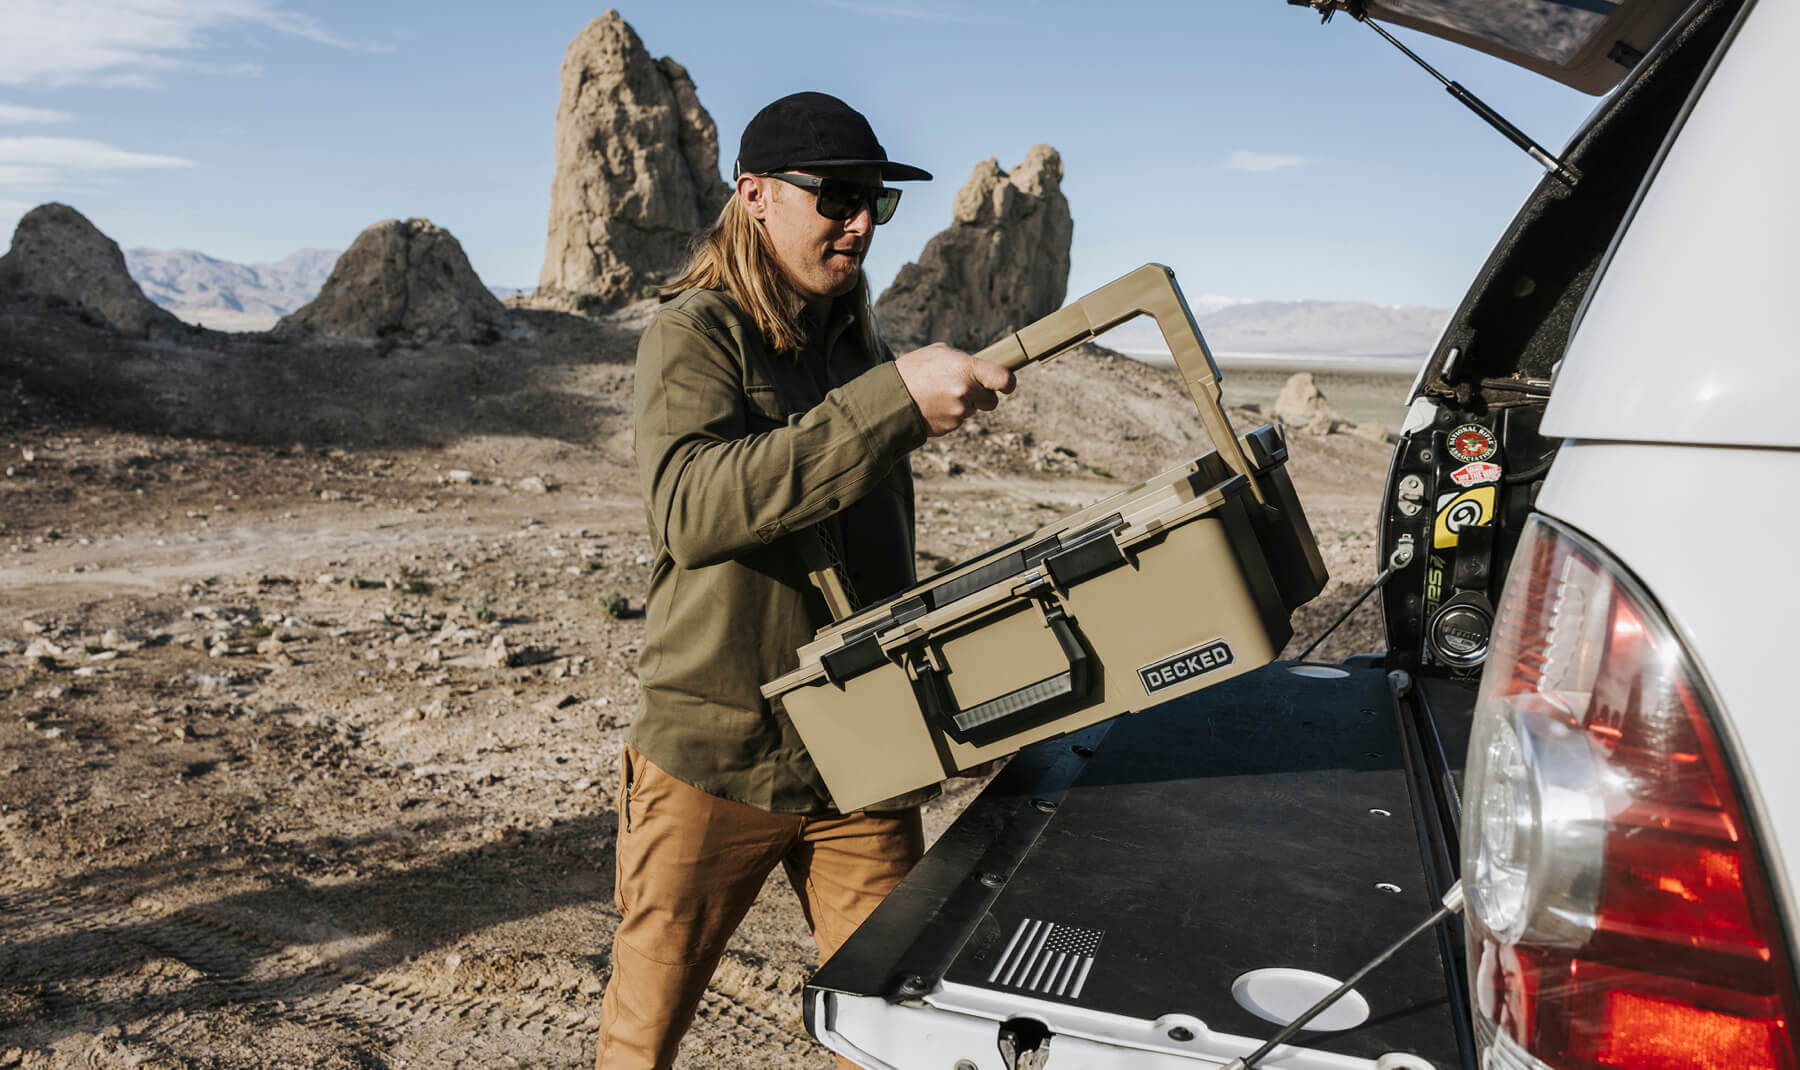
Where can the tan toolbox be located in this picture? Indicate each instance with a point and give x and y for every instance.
(1180, 582)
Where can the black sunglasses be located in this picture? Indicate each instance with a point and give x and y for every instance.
(840, 198)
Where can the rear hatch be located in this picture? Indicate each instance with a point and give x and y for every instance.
(1590, 45)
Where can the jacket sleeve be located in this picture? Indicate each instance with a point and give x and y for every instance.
(715, 488)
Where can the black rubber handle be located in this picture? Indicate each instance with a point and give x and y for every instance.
(1014, 710)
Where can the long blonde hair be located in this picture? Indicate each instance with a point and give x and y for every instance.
(735, 256)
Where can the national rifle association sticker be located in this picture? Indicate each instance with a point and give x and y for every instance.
(1471, 442)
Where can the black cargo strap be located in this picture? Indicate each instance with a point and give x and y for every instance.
(1380, 581)
(826, 569)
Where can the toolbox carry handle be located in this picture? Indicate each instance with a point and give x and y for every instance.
(1005, 714)
(1148, 291)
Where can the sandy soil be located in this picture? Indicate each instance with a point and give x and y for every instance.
(311, 698)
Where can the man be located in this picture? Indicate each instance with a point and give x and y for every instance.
(771, 434)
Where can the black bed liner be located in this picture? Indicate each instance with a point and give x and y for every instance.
(1267, 822)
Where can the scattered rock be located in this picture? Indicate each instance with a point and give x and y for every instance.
(534, 485)
(43, 648)
(113, 639)
(401, 281)
(1375, 433)
(498, 656)
(637, 171)
(460, 475)
(1003, 262)
(1302, 406)
(209, 682)
(1049, 457)
(60, 256)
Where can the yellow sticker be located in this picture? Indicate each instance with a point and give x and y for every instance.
(1470, 509)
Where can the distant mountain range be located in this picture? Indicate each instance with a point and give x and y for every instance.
(251, 297)
(1298, 332)
(228, 296)
(1342, 327)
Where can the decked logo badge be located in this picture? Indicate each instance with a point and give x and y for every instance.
(1471, 442)
(1180, 668)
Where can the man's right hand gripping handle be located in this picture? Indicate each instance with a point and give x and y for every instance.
(948, 385)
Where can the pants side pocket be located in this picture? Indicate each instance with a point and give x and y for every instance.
(625, 781)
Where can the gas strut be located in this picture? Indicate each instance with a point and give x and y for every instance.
(1565, 173)
(1452, 903)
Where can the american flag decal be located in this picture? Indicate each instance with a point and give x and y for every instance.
(1048, 958)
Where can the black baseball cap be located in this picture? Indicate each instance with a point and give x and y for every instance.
(815, 130)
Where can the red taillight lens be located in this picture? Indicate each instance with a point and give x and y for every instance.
(1619, 913)
(1637, 1029)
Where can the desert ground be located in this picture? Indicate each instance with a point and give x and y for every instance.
(313, 675)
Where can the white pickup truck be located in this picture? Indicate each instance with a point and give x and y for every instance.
(1581, 714)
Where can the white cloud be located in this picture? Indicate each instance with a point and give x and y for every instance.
(76, 154)
(925, 11)
(15, 176)
(64, 165)
(1249, 160)
(18, 113)
(129, 43)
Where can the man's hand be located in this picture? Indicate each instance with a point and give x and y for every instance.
(949, 385)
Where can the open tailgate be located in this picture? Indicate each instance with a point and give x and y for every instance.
(1113, 886)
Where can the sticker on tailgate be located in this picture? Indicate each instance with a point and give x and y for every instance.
(1050, 958)
(1180, 668)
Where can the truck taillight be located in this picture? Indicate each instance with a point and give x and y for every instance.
(1619, 912)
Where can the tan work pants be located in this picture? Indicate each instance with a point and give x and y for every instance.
(690, 865)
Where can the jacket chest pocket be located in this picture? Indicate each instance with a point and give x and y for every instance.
(763, 408)
(774, 398)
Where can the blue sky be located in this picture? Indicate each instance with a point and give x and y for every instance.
(1258, 153)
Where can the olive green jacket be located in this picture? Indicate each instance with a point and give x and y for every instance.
(739, 451)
